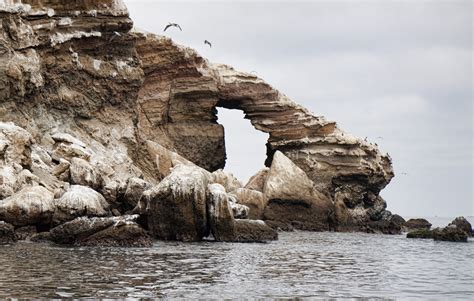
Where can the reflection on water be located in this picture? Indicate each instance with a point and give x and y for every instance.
(300, 264)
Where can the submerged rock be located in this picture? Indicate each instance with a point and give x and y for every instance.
(462, 224)
(7, 233)
(177, 206)
(30, 206)
(417, 223)
(101, 231)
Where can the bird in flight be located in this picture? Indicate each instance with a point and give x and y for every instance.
(404, 173)
(380, 137)
(208, 43)
(172, 25)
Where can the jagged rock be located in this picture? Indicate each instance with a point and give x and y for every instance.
(221, 217)
(253, 231)
(177, 206)
(252, 199)
(257, 181)
(7, 233)
(292, 198)
(101, 231)
(226, 179)
(13, 178)
(417, 223)
(420, 233)
(450, 233)
(83, 173)
(462, 224)
(30, 206)
(79, 201)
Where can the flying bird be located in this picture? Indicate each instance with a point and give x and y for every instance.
(172, 25)
(208, 43)
(380, 137)
(404, 173)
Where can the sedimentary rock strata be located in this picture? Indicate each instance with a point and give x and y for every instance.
(104, 120)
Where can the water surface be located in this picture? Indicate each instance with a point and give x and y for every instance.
(300, 264)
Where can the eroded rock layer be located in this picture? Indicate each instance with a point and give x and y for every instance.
(85, 100)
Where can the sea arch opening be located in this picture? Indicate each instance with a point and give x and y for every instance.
(245, 146)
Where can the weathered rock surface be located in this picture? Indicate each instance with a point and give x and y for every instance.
(417, 223)
(83, 173)
(462, 224)
(7, 233)
(30, 206)
(177, 206)
(221, 217)
(101, 231)
(257, 181)
(79, 201)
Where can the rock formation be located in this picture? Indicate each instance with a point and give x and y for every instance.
(109, 121)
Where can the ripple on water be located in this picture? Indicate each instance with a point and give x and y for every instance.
(300, 264)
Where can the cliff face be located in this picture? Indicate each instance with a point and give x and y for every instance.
(79, 68)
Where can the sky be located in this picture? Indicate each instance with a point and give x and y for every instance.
(399, 70)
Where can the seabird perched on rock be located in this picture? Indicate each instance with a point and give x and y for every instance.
(172, 25)
(208, 43)
(116, 34)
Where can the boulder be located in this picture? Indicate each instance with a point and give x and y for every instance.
(239, 211)
(257, 181)
(177, 205)
(226, 179)
(417, 223)
(252, 199)
(7, 233)
(420, 233)
(450, 233)
(101, 231)
(221, 216)
(79, 201)
(462, 224)
(83, 173)
(253, 231)
(292, 198)
(30, 206)
(67, 147)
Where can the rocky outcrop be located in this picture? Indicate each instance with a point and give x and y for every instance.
(221, 217)
(417, 223)
(420, 233)
(86, 100)
(462, 224)
(7, 233)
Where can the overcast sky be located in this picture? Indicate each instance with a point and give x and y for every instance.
(401, 70)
